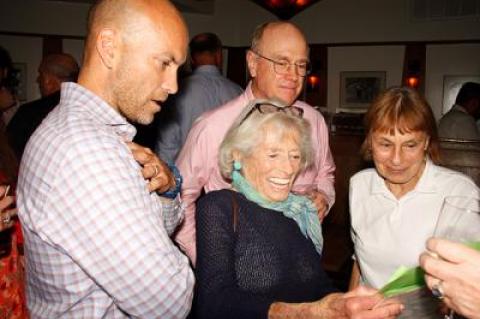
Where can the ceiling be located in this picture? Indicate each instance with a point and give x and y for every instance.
(186, 6)
(284, 9)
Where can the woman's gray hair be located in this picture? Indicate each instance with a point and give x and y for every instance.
(248, 132)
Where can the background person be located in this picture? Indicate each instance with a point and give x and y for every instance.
(259, 246)
(460, 121)
(278, 63)
(455, 271)
(8, 85)
(96, 239)
(52, 72)
(12, 292)
(205, 89)
(394, 206)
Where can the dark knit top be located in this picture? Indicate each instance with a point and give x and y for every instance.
(267, 259)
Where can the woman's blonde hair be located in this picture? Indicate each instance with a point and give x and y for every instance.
(405, 110)
(249, 129)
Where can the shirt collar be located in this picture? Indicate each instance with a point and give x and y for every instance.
(207, 68)
(426, 183)
(101, 111)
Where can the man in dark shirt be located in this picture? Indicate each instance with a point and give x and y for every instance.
(52, 72)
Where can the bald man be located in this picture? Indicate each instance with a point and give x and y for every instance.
(96, 239)
(52, 72)
(278, 63)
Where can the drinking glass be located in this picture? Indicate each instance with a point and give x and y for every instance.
(459, 221)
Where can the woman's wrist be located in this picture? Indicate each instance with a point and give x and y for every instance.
(283, 310)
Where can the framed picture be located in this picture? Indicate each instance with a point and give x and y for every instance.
(451, 86)
(358, 89)
(20, 72)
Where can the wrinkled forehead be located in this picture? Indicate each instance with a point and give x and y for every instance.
(278, 133)
(284, 40)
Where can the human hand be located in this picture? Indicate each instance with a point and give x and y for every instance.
(454, 267)
(360, 303)
(320, 200)
(156, 171)
(6, 211)
(318, 197)
(367, 303)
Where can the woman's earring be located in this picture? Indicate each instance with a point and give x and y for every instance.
(237, 166)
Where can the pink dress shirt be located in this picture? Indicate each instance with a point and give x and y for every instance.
(198, 160)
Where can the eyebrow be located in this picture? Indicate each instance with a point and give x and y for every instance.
(280, 56)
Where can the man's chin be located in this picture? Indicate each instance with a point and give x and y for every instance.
(145, 119)
(287, 99)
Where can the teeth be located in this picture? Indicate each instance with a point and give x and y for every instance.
(281, 181)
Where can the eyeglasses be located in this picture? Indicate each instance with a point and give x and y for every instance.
(266, 108)
(283, 67)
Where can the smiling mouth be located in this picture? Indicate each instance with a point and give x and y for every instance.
(279, 182)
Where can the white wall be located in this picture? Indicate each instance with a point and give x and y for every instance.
(75, 48)
(454, 59)
(43, 17)
(328, 21)
(362, 58)
(337, 21)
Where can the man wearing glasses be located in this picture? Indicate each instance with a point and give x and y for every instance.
(278, 63)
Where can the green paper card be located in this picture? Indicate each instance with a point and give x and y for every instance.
(408, 279)
(404, 280)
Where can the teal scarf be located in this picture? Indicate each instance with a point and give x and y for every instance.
(299, 208)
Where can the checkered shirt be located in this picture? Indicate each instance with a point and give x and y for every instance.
(96, 241)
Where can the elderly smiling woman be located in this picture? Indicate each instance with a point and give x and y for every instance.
(259, 246)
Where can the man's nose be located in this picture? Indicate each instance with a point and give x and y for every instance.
(170, 84)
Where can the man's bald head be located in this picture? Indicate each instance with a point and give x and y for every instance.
(130, 16)
(132, 54)
(269, 27)
(54, 70)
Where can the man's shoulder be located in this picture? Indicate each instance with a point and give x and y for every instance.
(225, 113)
(309, 111)
(454, 115)
(72, 125)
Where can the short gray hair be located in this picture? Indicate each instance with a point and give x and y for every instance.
(247, 133)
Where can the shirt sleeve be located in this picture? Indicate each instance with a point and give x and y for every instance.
(194, 165)
(168, 141)
(325, 176)
(102, 216)
(172, 213)
(217, 293)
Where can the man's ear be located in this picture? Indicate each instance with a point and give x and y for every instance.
(52, 83)
(252, 62)
(106, 46)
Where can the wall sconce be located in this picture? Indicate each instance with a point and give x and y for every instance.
(413, 79)
(313, 82)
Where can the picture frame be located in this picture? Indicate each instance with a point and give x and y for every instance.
(451, 86)
(359, 88)
(20, 72)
